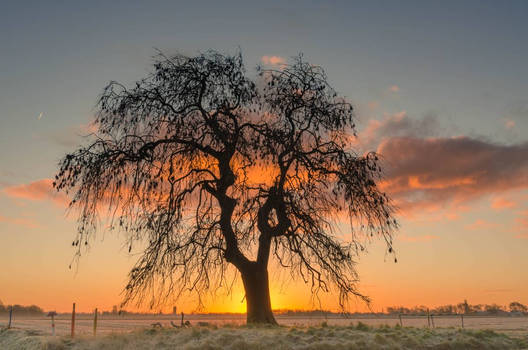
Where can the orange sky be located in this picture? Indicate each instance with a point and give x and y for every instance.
(440, 261)
(464, 230)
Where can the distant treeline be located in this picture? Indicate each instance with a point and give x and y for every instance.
(288, 312)
(32, 310)
(462, 308)
(514, 308)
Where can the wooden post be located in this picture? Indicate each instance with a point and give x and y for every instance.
(52, 324)
(401, 323)
(462, 317)
(182, 320)
(10, 316)
(432, 321)
(73, 322)
(95, 322)
(428, 319)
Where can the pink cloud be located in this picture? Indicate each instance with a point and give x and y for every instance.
(24, 222)
(509, 124)
(480, 224)
(502, 203)
(273, 60)
(414, 239)
(394, 88)
(439, 171)
(37, 191)
(521, 225)
(522, 220)
(427, 171)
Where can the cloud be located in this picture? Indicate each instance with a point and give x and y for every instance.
(434, 171)
(24, 222)
(521, 224)
(394, 88)
(426, 169)
(414, 239)
(37, 191)
(481, 224)
(273, 60)
(509, 124)
(396, 125)
(502, 203)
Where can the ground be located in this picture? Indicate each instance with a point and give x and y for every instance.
(356, 336)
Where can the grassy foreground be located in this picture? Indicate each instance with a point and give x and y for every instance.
(358, 336)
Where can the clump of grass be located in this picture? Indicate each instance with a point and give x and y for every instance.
(362, 327)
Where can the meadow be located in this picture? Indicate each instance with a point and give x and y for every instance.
(228, 336)
(118, 324)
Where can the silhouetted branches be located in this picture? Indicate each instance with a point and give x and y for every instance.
(205, 166)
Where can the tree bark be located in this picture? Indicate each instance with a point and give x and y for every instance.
(256, 285)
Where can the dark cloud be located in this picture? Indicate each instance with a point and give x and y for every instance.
(427, 167)
(433, 170)
(398, 125)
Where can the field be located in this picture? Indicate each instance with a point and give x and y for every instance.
(118, 324)
(295, 333)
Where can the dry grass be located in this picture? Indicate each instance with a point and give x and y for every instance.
(358, 336)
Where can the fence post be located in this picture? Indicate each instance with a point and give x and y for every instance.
(401, 323)
(10, 316)
(95, 323)
(73, 322)
(462, 317)
(432, 321)
(52, 324)
(428, 319)
(182, 319)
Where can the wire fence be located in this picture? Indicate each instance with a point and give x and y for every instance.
(96, 323)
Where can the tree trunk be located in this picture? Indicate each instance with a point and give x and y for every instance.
(256, 285)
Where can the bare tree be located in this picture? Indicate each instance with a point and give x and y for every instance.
(206, 167)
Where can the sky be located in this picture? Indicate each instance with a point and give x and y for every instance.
(439, 89)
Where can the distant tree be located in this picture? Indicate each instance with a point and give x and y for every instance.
(463, 308)
(493, 309)
(34, 310)
(515, 306)
(208, 167)
(27, 310)
(478, 308)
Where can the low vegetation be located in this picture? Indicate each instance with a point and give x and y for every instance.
(514, 307)
(21, 310)
(355, 336)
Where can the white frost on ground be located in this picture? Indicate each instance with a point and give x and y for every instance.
(358, 336)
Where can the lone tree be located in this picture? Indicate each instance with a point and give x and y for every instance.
(211, 169)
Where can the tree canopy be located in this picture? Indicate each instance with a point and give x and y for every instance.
(206, 165)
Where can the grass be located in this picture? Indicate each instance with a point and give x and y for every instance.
(355, 336)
